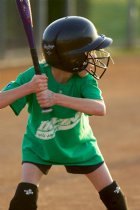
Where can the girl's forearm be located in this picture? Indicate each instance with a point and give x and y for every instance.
(88, 106)
(37, 84)
(9, 96)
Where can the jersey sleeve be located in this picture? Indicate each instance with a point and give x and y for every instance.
(23, 78)
(90, 89)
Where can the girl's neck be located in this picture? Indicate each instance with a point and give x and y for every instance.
(61, 76)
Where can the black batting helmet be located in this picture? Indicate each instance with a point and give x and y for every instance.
(67, 42)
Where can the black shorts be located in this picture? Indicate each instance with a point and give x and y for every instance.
(70, 169)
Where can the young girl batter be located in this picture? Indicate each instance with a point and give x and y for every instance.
(73, 53)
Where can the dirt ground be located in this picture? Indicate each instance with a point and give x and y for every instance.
(118, 135)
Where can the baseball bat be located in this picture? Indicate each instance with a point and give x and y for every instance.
(25, 13)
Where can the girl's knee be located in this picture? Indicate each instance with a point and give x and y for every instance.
(25, 197)
(113, 198)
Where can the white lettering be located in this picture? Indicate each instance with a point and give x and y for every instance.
(47, 129)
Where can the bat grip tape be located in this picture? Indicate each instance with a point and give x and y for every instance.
(35, 60)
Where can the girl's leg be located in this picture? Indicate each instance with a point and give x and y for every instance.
(31, 174)
(110, 193)
(27, 191)
(100, 178)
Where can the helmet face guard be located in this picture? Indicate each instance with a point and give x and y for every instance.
(98, 62)
(68, 44)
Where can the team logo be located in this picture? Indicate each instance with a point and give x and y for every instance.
(117, 190)
(47, 129)
(49, 48)
(28, 192)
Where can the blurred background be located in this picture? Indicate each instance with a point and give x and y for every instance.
(117, 19)
(118, 132)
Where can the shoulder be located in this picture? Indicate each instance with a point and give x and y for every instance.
(86, 78)
(44, 67)
(27, 75)
(31, 70)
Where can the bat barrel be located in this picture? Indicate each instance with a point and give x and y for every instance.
(26, 17)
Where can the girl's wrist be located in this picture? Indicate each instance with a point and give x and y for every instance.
(29, 88)
(57, 97)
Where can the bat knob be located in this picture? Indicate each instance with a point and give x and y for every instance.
(47, 110)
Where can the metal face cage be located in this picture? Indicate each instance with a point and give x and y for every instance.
(98, 61)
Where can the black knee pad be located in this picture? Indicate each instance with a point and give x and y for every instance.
(113, 197)
(25, 197)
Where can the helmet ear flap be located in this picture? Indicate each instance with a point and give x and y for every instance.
(50, 54)
(70, 62)
(74, 62)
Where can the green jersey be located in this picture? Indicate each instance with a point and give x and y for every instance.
(63, 136)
